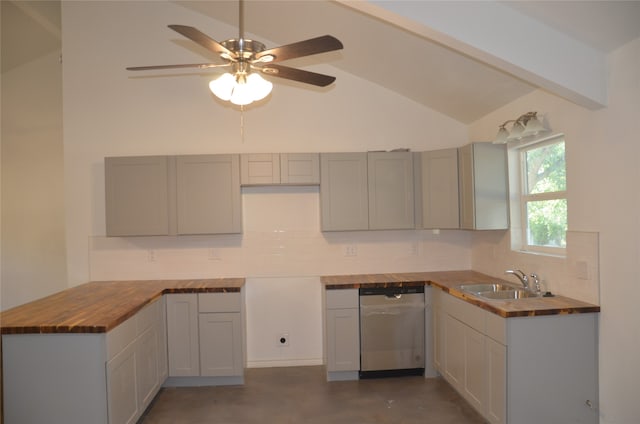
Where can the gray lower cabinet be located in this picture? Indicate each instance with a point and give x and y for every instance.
(362, 191)
(169, 195)
(134, 372)
(102, 378)
(519, 370)
(342, 334)
(182, 335)
(279, 168)
(484, 188)
(205, 339)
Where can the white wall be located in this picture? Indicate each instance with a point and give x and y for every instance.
(33, 238)
(602, 153)
(110, 112)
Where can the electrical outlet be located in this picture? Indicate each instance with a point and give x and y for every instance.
(151, 255)
(351, 250)
(283, 339)
(213, 255)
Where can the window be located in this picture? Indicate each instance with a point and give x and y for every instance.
(543, 204)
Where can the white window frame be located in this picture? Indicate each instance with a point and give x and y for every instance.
(520, 240)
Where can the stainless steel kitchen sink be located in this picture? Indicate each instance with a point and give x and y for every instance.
(486, 287)
(507, 294)
(496, 291)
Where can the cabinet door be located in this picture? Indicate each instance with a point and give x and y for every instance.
(440, 205)
(208, 194)
(484, 193)
(454, 354)
(343, 339)
(300, 168)
(182, 335)
(220, 344)
(390, 182)
(491, 189)
(163, 361)
(260, 169)
(122, 391)
(137, 196)
(147, 366)
(496, 363)
(474, 368)
(467, 204)
(438, 337)
(344, 201)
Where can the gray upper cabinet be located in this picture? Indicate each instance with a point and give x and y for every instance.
(344, 203)
(362, 191)
(300, 168)
(208, 194)
(390, 183)
(260, 169)
(166, 195)
(484, 191)
(137, 195)
(438, 179)
(279, 168)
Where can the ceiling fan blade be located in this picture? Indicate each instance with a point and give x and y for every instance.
(203, 39)
(186, 65)
(294, 74)
(325, 43)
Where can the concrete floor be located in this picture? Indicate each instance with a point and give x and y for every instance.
(301, 395)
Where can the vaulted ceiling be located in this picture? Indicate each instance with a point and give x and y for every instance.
(463, 59)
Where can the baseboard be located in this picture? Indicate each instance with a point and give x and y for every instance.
(284, 363)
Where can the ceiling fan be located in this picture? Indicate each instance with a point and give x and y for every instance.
(247, 59)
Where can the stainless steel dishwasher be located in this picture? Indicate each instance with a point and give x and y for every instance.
(392, 331)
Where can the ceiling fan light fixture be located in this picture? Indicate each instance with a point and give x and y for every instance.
(223, 86)
(240, 89)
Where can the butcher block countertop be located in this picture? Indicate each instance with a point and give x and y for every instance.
(99, 306)
(448, 281)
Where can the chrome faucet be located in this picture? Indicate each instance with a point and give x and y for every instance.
(521, 276)
(536, 283)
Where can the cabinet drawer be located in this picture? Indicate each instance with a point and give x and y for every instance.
(471, 315)
(496, 328)
(149, 315)
(342, 299)
(219, 302)
(120, 337)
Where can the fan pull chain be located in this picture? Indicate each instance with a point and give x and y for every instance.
(242, 124)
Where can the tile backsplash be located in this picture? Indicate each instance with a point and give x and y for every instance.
(577, 275)
(281, 237)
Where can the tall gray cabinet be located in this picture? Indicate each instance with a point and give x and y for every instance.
(173, 195)
(484, 191)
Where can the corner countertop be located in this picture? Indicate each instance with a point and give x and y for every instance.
(448, 281)
(99, 306)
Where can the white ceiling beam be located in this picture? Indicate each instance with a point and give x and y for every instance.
(501, 37)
